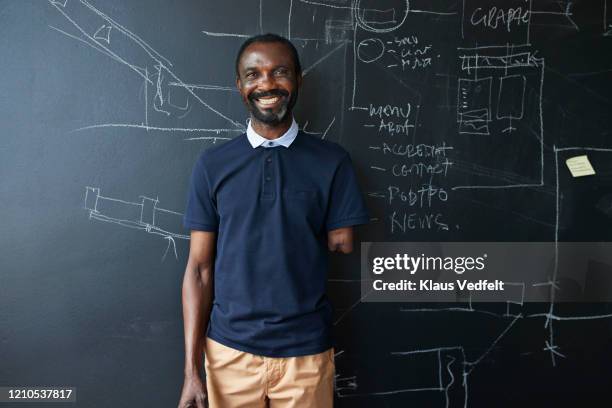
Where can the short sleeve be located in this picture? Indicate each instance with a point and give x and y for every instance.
(201, 211)
(346, 206)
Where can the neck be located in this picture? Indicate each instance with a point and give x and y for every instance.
(271, 131)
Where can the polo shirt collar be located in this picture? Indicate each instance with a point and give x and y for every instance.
(286, 138)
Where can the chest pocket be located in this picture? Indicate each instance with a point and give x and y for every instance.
(303, 205)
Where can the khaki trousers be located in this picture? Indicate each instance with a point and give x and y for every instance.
(236, 379)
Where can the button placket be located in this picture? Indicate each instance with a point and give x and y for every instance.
(268, 174)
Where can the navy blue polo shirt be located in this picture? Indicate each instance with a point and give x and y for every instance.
(272, 208)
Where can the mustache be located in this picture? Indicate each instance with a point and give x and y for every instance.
(272, 92)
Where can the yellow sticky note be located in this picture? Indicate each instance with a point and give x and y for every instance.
(580, 166)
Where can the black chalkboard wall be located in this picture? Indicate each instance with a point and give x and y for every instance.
(105, 106)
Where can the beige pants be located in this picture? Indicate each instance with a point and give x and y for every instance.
(237, 379)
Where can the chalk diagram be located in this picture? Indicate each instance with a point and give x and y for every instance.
(496, 97)
(144, 215)
(165, 94)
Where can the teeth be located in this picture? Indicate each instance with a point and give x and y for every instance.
(268, 101)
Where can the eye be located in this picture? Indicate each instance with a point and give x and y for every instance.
(281, 71)
(250, 75)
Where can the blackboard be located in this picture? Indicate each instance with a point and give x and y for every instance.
(106, 105)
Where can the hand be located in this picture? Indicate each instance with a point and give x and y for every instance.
(194, 394)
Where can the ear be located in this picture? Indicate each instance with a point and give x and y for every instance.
(238, 83)
(299, 80)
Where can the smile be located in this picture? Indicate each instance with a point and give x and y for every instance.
(268, 101)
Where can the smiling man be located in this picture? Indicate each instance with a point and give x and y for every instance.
(264, 209)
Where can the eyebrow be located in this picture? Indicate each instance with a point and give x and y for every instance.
(256, 68)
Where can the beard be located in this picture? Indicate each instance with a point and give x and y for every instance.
(269, 116)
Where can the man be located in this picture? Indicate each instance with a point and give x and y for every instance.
(263, 210)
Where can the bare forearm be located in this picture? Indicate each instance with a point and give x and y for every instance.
(197, 296)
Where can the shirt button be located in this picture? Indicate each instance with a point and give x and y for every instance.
(269, 160)
(270, 144)
(268, 178)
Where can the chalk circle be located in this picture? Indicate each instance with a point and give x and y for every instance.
(363, 24)
(370, 49)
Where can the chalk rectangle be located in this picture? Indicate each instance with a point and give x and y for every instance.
(147, 215)
(91, 198)
(511, 97)
(496, 22)
(490, 61)
(474, 98)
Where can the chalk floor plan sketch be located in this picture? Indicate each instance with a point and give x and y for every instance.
(381, 59)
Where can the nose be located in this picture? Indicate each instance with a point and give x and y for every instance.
(266, 81)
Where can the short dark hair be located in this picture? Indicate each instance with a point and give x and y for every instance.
(270, 38)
